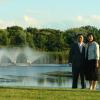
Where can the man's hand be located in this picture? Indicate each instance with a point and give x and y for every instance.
(70, 64)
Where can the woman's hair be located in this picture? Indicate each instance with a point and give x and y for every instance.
(92, 35)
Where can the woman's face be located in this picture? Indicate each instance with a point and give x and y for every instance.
(90, 38)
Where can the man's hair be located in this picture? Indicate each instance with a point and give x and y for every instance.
(79, 35)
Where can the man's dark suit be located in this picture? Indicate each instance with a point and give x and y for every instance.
(77, 59)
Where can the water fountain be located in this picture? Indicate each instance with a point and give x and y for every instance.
(26, 67)
(16, 55)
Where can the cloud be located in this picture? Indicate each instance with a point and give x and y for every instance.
(77, 21)
(4, 1)
(79, 18)
(82, 19)
(62, 24)
(6, 23)
(95, 17)
(90, 18)
(30, 20)
(24, 22)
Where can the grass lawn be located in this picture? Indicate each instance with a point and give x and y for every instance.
(47, 94)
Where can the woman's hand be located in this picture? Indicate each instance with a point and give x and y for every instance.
(97, 64)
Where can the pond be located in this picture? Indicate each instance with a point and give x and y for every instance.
(36, 75)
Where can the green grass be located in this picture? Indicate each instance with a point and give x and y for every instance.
(47, 94)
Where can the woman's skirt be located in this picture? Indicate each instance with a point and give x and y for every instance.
(91, 71)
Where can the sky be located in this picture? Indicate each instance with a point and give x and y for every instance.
(56, 14)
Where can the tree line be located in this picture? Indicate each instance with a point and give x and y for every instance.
(44, 39)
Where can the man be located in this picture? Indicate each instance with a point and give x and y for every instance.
(77, 59)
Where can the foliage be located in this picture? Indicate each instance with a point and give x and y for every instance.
(44, 39)
(3, 37)
(17, 35)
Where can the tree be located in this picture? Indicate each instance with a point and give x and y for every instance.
(3, 37)
(29, 40)
(17, 36)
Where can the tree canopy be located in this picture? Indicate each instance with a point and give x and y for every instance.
(44, 39)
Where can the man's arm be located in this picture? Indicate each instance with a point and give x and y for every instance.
(70, 54)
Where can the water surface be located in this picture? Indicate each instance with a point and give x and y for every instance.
(35, 76)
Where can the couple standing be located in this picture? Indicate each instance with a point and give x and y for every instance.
(84, 59)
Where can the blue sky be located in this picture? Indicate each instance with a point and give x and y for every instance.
(57, 14)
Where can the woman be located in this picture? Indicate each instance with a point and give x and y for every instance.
(92, 60)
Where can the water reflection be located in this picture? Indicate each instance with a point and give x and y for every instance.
(43, 81)
(33, 76)
(39, 76)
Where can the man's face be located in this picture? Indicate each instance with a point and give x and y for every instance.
(80, 38)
